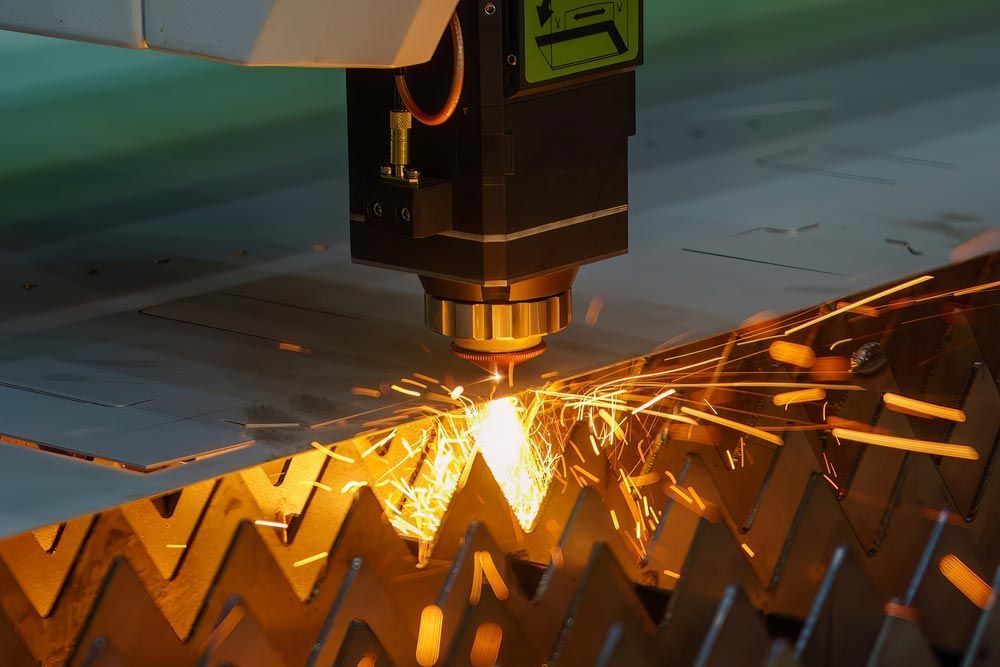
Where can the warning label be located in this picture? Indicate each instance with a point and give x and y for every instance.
(567, 37)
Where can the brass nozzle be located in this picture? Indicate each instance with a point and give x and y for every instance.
(498, 359)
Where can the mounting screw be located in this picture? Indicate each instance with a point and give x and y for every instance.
(511, 59)
(404, 215)
(413, 174)
(377, 209)
(489, 9)
(386, 170)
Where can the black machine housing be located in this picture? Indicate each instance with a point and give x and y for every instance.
(524, 182)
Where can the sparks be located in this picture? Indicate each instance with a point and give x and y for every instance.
(965, 580)
(749, 430)
(800, 396)
(331, 453)
(429, 636)
(912, 406)
(792, 354)
(486, 645)
(492, 575)
(311, 559)
(861, 302)
(521, 465)
(895, 442)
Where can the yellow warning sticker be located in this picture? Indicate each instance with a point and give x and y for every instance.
(567, 37)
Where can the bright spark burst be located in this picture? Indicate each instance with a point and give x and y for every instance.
(521, 460)
(624, 413)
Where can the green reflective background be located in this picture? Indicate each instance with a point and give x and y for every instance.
(94, 133)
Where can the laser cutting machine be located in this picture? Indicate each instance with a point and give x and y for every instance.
(492, 163)
(221, 418)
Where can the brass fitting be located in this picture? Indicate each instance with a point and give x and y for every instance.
(400, 123)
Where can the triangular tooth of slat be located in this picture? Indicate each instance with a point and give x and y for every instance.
(180, 598)
(125, 625)
(366, 533)
(714, 561)
(603, 597)
(742, 490)
(842, 626)
(909, 526)
(363, 594)
(479, 500)
(515, 649)
(900, 642)
(269, 599)
(869, 497)
(818, 529)
(360, 644)
(736, 636)
(42, 574)
(238, 639)
(277, 608)
(590, 523)
(961, 379)
(455, 598)
(781, 495)
(162, 538)
(320, 516)
(678, 524)
(984, 647)
(360, 580)
(945, 615)
(55, 634)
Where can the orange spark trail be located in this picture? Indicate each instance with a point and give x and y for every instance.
(861, 302)
(895, 442)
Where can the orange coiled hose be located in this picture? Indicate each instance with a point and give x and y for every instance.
(457, 81)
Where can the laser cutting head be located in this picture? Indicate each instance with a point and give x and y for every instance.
(518, 180)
